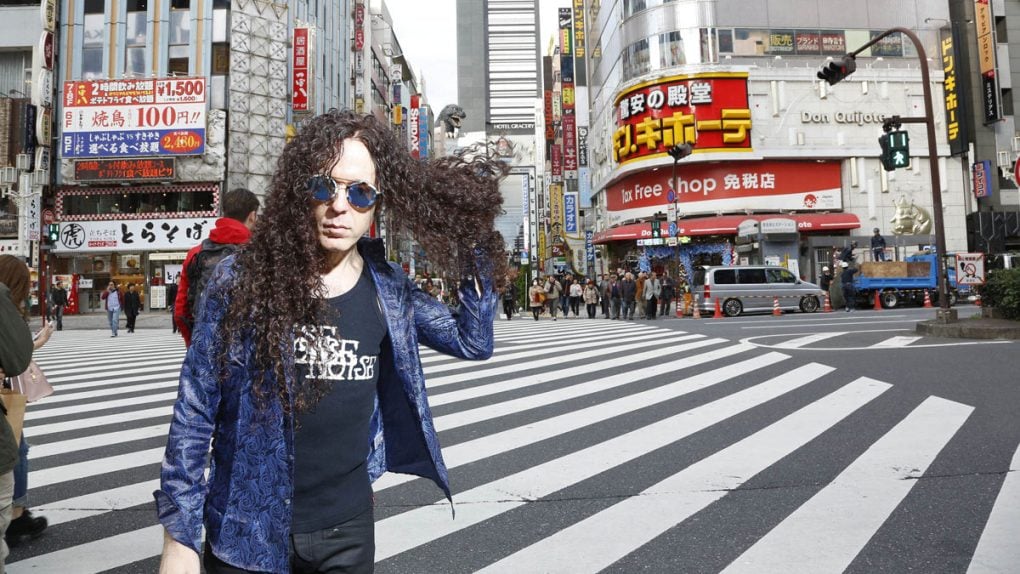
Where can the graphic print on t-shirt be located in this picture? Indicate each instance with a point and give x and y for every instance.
(334, 358)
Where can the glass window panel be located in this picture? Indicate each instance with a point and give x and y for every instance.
(91, 63)
(93, 30)
(136, 28)
(751, 276)
(134, 61)
(180, 26)
(95, 6)
(178, 66)
(726, 277)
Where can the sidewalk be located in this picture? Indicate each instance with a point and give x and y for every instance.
(97, 320)
(972, 326)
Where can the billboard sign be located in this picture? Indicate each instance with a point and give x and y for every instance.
(132, 234)
(300, 70)
(133, 117)
(157, 168)
(570, 213)
(707, 110)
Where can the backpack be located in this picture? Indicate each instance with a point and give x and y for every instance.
(200, 269)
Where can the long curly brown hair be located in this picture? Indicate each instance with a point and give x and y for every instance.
(14, 273)
(447, 204)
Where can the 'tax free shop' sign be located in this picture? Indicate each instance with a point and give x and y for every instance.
(709, 111)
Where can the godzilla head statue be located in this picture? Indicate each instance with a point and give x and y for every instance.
(451, 116)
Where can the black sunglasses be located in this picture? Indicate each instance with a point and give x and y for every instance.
(361, 195)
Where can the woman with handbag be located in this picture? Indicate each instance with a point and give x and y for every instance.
(536, 298)
(15, 356)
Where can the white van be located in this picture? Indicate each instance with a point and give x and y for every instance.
(752, 288)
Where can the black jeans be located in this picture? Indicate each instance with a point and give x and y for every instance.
(508, 308)
(347, 548)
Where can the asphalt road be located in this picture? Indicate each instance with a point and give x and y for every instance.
(804, 443)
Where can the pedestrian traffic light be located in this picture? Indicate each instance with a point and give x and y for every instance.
(53, 232)
(837, 70)
(656, 229)
(895, 150)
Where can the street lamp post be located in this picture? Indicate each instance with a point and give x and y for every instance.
(677, 152)
(833, 74)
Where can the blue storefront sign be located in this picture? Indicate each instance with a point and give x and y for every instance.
(570, 212)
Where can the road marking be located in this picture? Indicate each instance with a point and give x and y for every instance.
(847, 323)
(997, 550)
(488, 412)
(78, 409)
(895, 342)
(803, 322)
(807, 340)
(40, 451)
(98, 556)
(422, 525)
(830, 529)
(158, 412)
(756, 341)
(524, 382)
(58, 474)
(97, 503)
(510, 439)
(473, 373)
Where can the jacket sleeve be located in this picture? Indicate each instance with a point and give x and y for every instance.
(180, 501)
(15, 337)
(466, 334)
(181, 301)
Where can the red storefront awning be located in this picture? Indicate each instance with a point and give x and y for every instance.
(727, 225)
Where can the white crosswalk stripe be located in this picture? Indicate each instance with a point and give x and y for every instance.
(560, 407)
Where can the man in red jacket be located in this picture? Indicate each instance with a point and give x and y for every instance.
(240, 207)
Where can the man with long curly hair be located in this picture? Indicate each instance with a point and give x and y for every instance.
(304, 368)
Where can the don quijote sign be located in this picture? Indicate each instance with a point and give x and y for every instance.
(729, 187)
(133, 117)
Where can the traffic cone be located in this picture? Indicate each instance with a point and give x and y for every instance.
(828, 306)
(679, 309)
(697, 311)
(878, 302)
(718, 309)
(776, 311)
(927, 300)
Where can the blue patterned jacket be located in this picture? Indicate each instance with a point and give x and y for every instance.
(245, 503)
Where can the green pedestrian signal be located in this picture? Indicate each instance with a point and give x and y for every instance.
(656, 229)
(53, 232)
(895, 150)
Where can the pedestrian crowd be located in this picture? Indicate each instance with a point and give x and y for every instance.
(620, 296)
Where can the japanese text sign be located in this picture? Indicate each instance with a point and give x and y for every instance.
(143, 117)
(707, 110)
(970, 268)
(570, 212)
(132, 235)
(300, 65)
(956, 118)
(982, 172)
(161, 168)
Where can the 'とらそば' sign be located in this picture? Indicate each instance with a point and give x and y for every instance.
(132, 235)
(709, 111)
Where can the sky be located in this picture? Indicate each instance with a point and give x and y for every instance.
(426, 30)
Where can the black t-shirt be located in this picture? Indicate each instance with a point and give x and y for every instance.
(331, 443)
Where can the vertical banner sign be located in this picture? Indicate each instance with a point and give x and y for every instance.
(557, 163)
(570, 146)
(541, 246)
(982, 171)
(956, 117)
(986, 59)
(589, 251)
(582, 146)
(526, 209)
(580, 73)
(550, 132)
(569, 120)
(299, 101)
(413, 125)
(556, 204)
(423, 132)
(570, 213)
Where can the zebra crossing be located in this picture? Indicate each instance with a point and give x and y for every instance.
(580, 446)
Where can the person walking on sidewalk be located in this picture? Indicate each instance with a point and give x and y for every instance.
(591, 298)
(509, 299)
(112, 301)
(576, 294)
(639, 294)
(304, 373)
(553, 290)
(615, 296)
(604, 295)
(59, 302)
(628, 292)
(668, 293)
(132, 306)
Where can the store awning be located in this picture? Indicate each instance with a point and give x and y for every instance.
(727, 225)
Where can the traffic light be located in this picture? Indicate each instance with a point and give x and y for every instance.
(53, 232)
(895, 150)
(656, 229)
(837, 70)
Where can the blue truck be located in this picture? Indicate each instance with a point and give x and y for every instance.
(903, 288)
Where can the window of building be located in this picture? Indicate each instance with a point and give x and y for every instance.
(221, 59)
(134, 44)
(671, 50)
(141, 202)
(180, 37)
(93, 31)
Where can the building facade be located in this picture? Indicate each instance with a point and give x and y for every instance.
(160, 107)
(785, 167)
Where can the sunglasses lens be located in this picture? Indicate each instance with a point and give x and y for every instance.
(361, 195)
(323, 189)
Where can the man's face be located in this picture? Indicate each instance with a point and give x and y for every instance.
(340, 225)
(111, 286)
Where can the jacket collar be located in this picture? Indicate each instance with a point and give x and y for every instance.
(373, 251)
